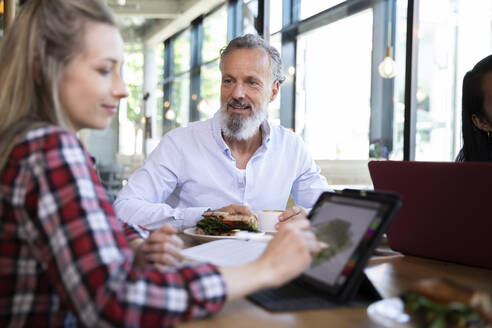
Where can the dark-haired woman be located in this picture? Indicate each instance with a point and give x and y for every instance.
(477, 113)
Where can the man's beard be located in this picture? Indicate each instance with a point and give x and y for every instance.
(236, 127)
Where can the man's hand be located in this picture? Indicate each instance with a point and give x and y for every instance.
(236, 209)
(291, 214)
(162, 247)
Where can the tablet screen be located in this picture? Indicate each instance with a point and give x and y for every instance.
(346, 226)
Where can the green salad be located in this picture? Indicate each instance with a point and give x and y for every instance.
(430, 314)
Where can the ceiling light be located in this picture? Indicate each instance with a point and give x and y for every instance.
(204, 107)
(387, 68)
(170, 114)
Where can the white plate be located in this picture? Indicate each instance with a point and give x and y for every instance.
(199, 237)
(389, 312)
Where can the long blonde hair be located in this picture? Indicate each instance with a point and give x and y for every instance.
(45, 36)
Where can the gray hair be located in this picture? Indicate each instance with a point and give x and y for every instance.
(253, 41)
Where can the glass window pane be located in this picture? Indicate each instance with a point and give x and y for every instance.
(182, 52)
(209, 90)
(180, 100)
(396, 152)
(274, 106)
(334, 88)
(312, 7)
(130, 109)
(214, 34)
(159, 98)
(250, 15)
(160, 63)
(159, 94)
(450, 44)
(275, 15)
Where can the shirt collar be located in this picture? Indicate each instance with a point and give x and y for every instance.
(265, 132)
(217, 133)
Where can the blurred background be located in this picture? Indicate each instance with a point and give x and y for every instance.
(355, 90)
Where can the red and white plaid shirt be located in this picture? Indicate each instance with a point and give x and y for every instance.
(64, 257)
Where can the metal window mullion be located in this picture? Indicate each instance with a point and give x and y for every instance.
(410, 122)
(196, 41)
(288, 89)
(263, 19)
(234, 19)
(382, 90)
(167, 85)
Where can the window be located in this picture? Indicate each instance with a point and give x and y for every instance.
(275, 15)
(334, 88)
(131, 112)
(312, 7)
(176, 97)
(159, 93)
(274, 107)
(250, 15)
(182, 52)
(180, 102)
(398, 99)
(450, 44)
(214, 39)
(209, 90)
(214, 34)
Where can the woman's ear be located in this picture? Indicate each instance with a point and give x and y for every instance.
(481, 123)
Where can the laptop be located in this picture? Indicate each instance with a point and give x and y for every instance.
(446, 212)
(351, 223)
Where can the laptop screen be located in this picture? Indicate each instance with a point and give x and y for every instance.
(346, 226)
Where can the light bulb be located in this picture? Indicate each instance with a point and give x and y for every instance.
(170, 114)
(387, 68)
(291, 70)
(204, 107)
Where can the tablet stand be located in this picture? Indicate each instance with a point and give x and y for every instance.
(297, 296)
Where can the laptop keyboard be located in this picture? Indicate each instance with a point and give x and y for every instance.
(291, 297)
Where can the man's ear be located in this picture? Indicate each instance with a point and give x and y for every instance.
(481, 124)
(275, 88)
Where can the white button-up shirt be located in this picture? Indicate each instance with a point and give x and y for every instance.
(192, 169)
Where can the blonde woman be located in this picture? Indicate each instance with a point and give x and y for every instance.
(65, 259)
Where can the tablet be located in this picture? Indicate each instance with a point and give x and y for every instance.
(350, 224)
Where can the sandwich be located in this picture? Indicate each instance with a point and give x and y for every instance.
(217, 223)
(444, 303)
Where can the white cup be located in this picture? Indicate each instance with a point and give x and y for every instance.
(267, 219)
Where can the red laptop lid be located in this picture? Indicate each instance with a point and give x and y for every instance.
(446, 211)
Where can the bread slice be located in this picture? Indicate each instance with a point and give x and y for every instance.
(233, 219)
(217, 223)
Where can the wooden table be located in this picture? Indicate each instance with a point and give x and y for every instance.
(390, 275)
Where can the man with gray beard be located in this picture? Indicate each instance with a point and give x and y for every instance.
(235, 162)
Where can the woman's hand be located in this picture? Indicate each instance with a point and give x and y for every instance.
(286, 256)
(290, 251)
(162, 247)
